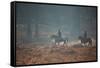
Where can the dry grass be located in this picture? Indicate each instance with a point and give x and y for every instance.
(43, 54)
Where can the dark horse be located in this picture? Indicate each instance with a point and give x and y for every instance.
(85, 40)
(58, 39)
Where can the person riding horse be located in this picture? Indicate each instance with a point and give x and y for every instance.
(58, 38)
(85, 39)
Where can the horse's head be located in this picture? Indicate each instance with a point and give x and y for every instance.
(53, 36)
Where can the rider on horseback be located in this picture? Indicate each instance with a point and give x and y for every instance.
(59, 34)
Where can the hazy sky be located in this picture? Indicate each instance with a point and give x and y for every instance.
(71, 20)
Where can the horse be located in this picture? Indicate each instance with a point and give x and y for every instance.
(85, 40)
(58, 39)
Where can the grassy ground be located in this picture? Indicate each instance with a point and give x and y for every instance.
(43, 54)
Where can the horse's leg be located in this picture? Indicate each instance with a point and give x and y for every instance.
(87, 42)
(83, 44)
(65, 42)
(58, 44)
(90, 42)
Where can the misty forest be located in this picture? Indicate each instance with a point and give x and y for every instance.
(55, 33)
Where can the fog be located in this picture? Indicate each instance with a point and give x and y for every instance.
(38, 22)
